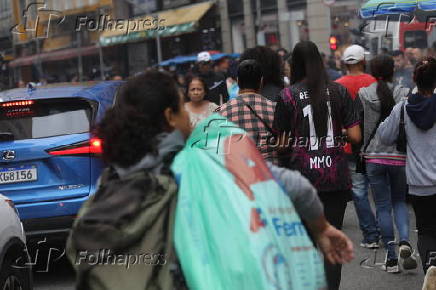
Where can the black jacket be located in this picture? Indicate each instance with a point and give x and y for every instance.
(217, 88)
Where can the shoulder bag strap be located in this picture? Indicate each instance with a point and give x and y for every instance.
(268, 127)
(374, 131)
(402, 136)
(402, 115)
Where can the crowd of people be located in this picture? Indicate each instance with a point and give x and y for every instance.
(331, 132)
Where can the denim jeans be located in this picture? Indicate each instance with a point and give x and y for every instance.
(367, 220)
(388, 184)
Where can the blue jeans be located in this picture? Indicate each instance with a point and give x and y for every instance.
(367, 221)
(389, 187)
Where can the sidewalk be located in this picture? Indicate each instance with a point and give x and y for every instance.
(366, 277)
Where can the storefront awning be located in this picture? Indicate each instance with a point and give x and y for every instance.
(171, 22)
(54, 55)
(8, 57)
(56, 43)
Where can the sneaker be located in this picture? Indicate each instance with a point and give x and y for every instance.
(430, 279)
(369, 245)
(391, 266)
(406, 254)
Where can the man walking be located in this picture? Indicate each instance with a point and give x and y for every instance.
(252, 111)
(216, 82)
(356, 78)
(403, 74)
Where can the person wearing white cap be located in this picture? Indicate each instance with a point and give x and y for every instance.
(356, 78)
(216, 84)
(354, 54)
(204, 56)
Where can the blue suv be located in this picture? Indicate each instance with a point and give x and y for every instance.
(49, 161)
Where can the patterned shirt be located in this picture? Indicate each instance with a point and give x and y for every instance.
(320, 158)
(196, 118)
(238, 112)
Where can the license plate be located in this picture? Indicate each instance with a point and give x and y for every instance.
(18, 174)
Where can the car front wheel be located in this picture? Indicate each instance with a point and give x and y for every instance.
(14, 275)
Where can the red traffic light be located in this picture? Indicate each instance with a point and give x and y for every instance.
(333, 41)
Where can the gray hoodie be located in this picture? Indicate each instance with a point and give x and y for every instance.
(421, 144)
(371, 107)
(299, 189)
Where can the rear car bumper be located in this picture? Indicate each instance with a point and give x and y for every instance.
(51, 220)
(51, 228)
(47, 209)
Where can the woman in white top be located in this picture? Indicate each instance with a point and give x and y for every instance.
(197, 107)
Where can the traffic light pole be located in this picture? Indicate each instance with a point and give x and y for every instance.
(318, 18)
(158, 42)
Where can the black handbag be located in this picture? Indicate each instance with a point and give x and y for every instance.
(360, 162)
(402, 137)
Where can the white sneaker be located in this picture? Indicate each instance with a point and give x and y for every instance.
(391, 266)
(430, 279)
(370, 245)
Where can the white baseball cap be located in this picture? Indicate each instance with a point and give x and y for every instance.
(353, 54)
(203, 56)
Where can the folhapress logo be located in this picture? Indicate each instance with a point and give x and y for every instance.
(35, 27)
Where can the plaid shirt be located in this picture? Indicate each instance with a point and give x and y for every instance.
(237, 112)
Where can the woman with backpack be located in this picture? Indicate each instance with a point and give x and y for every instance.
(419, 118)
(385, 165)
(123, 237)
(310, 116)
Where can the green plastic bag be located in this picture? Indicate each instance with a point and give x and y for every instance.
(235, 227)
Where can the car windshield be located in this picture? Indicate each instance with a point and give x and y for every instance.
(45, 118)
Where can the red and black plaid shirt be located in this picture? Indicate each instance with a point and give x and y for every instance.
(237, 112)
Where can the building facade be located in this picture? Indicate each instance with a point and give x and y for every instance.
(47, 44)
(314, 20)
(83, 40)
(181, 27)
(62, 40)
(6, 53)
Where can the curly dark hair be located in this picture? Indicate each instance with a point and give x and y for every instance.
(270, 63)
(128, 130)
(425, 75)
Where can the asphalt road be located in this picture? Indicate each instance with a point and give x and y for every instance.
(364, 273)
(361, 274)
